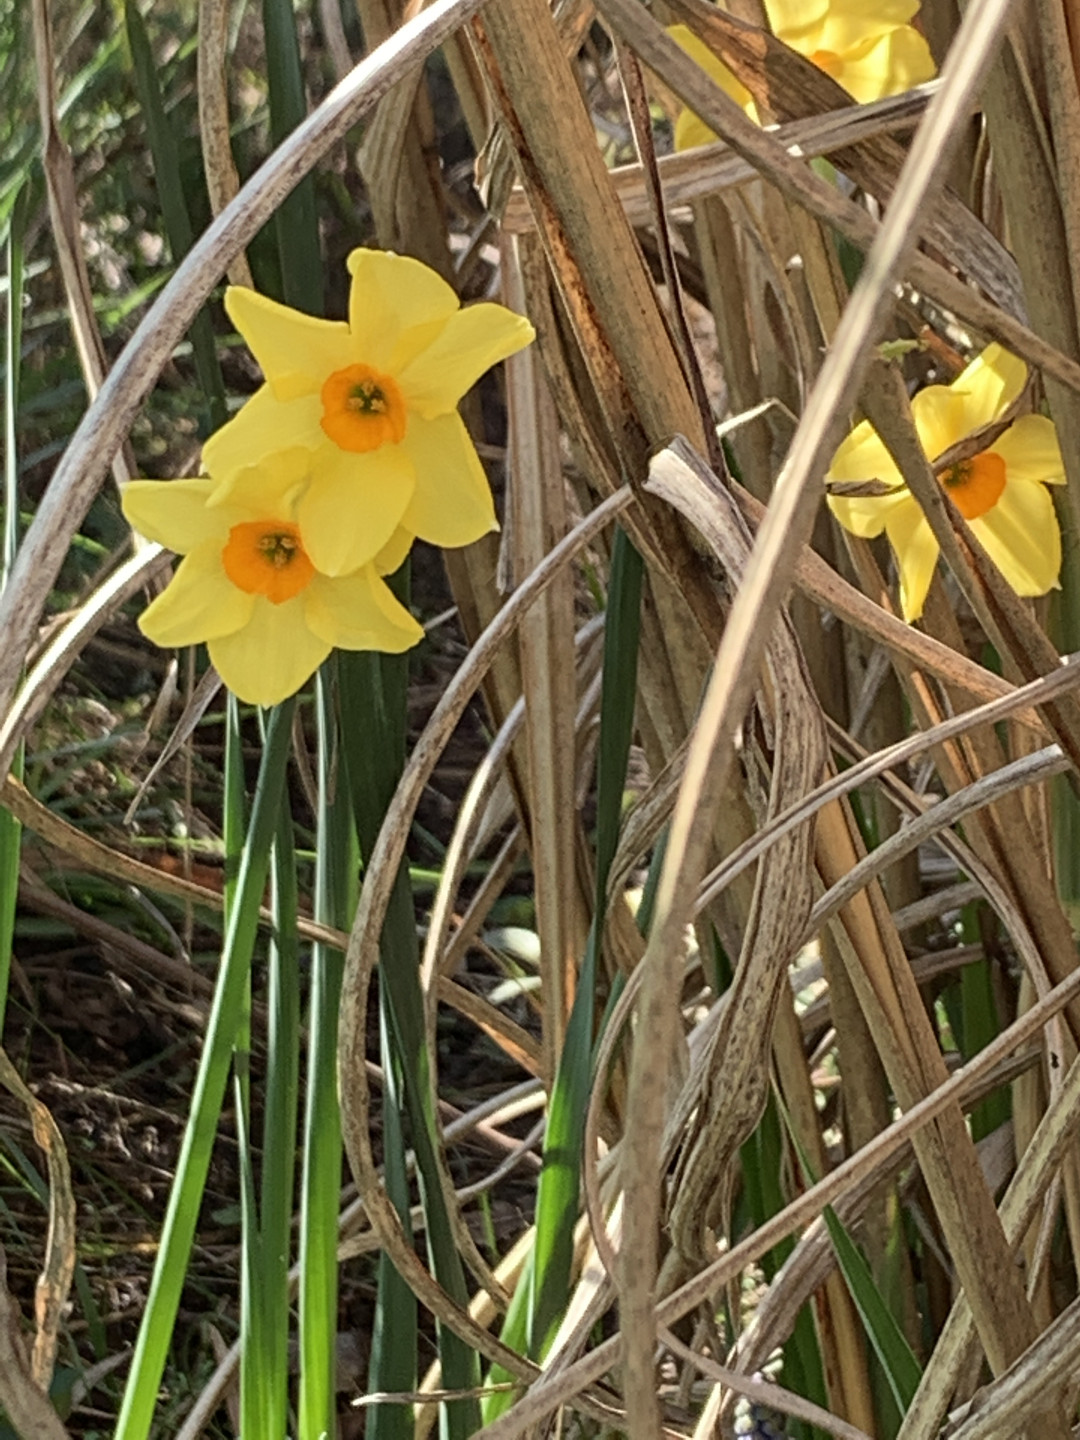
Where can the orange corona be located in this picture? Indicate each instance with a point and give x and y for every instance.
(975, 486)
(362, 409)
(266, 557)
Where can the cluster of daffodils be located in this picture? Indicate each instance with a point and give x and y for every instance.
(315, 491)
(1000, 491)
(867, 46)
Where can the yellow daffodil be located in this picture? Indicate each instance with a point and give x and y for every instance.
(248, 586)
(867, 46)
(374, 399)
(1001, 491)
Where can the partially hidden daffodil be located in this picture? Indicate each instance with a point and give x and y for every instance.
(867, 46)
(247, 585)
(374, 399)
(1000, 491)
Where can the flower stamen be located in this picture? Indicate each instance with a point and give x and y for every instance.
(975, 486)
(362, 409)
(267, 557)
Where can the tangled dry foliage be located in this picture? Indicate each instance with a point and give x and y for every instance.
(774, 680)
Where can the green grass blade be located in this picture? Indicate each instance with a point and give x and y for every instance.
(174, 207)
(559, 1187)
(253, 1323)
(372, 772)
(541, 1296)
(890, 1344)
(10, 829)
(321, 1183)
(296, 220)
(761, 1162)
(279, 1129)
(373, 733)
(181, 1217)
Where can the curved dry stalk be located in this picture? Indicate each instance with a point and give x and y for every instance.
(362, 953)
(712, 168)
(547, 1394)
(1040, 1160)
(63, 649)
(1029, 770)
(764, 1391)
(102, 859)
(1004, 1406)
(1063, 679)
(107, 420)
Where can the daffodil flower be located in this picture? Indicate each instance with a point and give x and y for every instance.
(867, 46)
(374, 399)
(1001, 491)
(247, 584)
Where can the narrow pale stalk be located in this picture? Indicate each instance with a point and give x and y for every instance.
(10, 829)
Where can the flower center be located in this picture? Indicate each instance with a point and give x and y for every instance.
(266, 557)
(975, 486)
(362, 409)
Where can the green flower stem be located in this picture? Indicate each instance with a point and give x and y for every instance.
(181, 1218)
(279, 1134)
(321, 1184)
(543, 1292)
(373, 730)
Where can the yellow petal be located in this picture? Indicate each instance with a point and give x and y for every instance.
(268, 490)
(916, 554)
(359, 612)
(989, 385)
(469, 343)
(391, 294)
(885, 65)
(452, 503)
(261, 426)
(1022, 538)
(172, 512)
(354, 504)
(392, 555)
(199, 603)
(941, 417)
(296, 351)
(799, 23)
(851, 22)
(689, 129)
(863, 456)
(271, 657)
(1031, 451)
(868, 515)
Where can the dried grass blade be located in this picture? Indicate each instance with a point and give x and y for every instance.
(549, 1393)
(26, 1405)
(785, 529)
(538, 521)
(222, 180)
(58, 1269)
